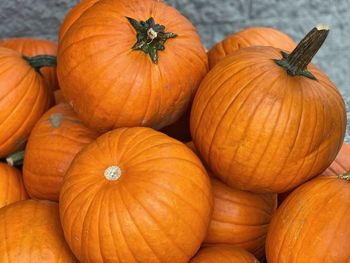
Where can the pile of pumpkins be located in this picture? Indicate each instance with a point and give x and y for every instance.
(137, 145)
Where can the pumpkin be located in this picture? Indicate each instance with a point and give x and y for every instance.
(30, 231)
(252, 36)
(266, 121)
(58, 97)
(52, 145)
(180, 130)
(11, 185)
(341, 164)
(74, 15)
(24, 97)
(223, 254)
(146, 194)
(240, 218)
(311, 225)
(31, 47)
(147, 62)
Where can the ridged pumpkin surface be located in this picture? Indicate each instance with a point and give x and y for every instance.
(135, 195)
(11, 185)
(32, 47)
(74, 15)
(110, 85)
(223, 254)
(30, 232)
(312, 224)
(259, 128)
(253, 36)
(240, 218)
(23, 99)
(341, 164)
(52, 145)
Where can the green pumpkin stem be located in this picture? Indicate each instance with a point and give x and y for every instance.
(15, 159)
(345, 176)
(296, 62)
(151, 37)
(41, 61)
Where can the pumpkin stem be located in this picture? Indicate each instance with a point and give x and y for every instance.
(151, 37)
(345, 176)
(113, 173)
(41, 61)
(15, 159)
(296, 62)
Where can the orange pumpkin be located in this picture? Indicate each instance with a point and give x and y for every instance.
(253, 36)
(31, 47)
(267, 121)
(52, 145)
(58, 97)
(223, 254)
(311, 225)
(74, 15)
(24, 97)
(11, 185)
(112, 82)
(146, 194)
(30, 231)
(240, 218)
(341, 163)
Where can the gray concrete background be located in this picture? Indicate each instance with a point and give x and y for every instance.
(214, 20)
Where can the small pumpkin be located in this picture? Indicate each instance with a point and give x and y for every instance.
(24, 97)
(267, 121)
(30, 231)
(147, 62)
(223, 254)
(147, 194)
(74, 15)
(52, 145)
(311, 225)
(11, 185)
(252, 36)
(341, 164)
(31, 47)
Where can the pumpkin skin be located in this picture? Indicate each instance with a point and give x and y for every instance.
(11, 185)
(253, 36)
(126, 88)
(341, 164)
(240, 218)
(249, 123)
(58, 97)
(223, 254)
(32, 47)
(156, 208)
(30, 231)
(52, 145)
(24, 98)
(311, 225)
(74, 15)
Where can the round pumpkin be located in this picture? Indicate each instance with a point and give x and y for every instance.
(311, 225)
(32, 47)
(252, 36)
(223, 254)
(30, 231)
(341, 164)
(52, 145)
(146, 194)
(74, 15)
(24, 97)
(267, 121)
(11, 185)
(130, 63)
(240, 218)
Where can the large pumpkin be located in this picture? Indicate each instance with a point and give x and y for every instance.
(74, 15)
(341, 164)
(30, 231)
(223, 254)
(253, 36)
(240, 218)
(130, 63)
(312, 224)
(264, 120)
(52, 145)
(11, 185)
(32, 47)
(146, 194)
(24, 97)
